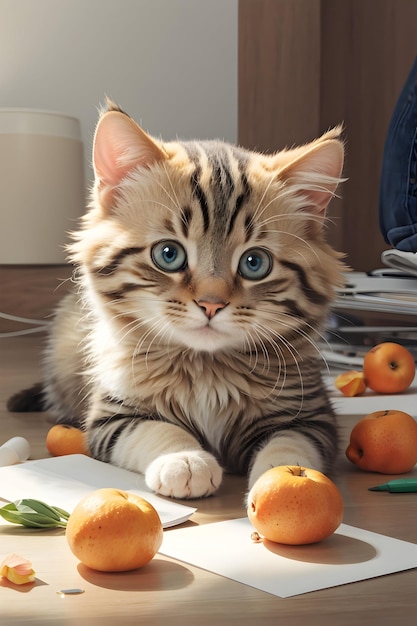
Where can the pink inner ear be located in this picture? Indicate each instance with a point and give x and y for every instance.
(329, 163)
(316, 173)
(120, 145)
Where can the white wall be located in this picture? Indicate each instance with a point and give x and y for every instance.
(171, 64)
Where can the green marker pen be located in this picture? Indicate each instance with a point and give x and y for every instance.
(401, 485)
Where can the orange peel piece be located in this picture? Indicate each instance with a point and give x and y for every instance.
(17, 570)
(351, 383)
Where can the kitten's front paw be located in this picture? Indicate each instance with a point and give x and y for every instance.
(194, 474)
(285, 450)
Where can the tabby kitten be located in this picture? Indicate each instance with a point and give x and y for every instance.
(189, 345)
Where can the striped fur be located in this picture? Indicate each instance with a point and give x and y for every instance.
(201, 365)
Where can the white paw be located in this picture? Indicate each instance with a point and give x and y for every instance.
(193, 474)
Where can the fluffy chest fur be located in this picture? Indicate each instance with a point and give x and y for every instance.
(203, 390)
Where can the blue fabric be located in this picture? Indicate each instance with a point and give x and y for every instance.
(398, 185)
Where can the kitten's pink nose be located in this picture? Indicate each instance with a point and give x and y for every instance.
(210, 308)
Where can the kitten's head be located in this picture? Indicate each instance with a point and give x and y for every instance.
(207, 245)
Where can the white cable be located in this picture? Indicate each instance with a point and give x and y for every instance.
(24, 320)
(42, 325)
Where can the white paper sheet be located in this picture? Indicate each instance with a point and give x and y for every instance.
(349, 555)
(62, 481)
(371, 401)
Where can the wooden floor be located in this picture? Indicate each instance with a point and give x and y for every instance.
(20, 367)
(176, 594)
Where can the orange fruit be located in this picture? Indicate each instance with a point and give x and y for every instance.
(294, 505)
(111, 530)
(389, 368)
(385, 442)
(63, 439)
(351, 383)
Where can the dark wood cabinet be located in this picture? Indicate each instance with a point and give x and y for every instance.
(306, 65)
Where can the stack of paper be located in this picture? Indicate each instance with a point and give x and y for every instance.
(378, 293)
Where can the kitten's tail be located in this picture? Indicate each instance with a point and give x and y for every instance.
(28, 400)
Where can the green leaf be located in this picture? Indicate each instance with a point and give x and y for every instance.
(28, 505)
(64, 514)
(34, 514)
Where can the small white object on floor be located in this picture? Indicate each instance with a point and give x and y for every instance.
(14, 451)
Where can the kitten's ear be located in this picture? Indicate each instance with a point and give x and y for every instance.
(120, 145)
(315, 170)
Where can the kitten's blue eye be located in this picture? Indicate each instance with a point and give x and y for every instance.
(169, 256)
(255, 264)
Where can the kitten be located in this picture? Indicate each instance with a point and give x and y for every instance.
(189, 346)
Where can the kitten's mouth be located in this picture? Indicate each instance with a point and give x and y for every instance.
(204, 337)
(208, 330)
